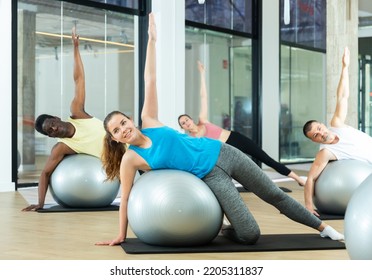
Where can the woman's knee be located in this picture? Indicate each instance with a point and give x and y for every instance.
(247, 237)
(250, 237)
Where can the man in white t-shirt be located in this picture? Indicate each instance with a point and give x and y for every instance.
(337, 142)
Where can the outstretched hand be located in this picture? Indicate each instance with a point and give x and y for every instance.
(346, 57)
(75, 37)
(114, 242)
(312, 211)
(32, 207)
(201, 67)
(152, 28)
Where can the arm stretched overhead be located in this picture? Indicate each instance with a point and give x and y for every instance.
(203, 114)
(343, 90)
(77, 106)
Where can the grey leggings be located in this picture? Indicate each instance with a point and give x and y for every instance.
(232, 163)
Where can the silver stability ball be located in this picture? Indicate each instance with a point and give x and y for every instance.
(79, 182)
(173, 208)
(358, 222)
(336, 184)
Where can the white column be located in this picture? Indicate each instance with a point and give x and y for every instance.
(170, 22)
(6, 183)
(270, 78)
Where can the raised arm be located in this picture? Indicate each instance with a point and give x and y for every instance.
(320, 162)
(203, 114)
(149, 113)
(340, 114)
(77, 106)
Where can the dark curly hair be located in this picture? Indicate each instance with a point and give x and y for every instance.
(40, 121)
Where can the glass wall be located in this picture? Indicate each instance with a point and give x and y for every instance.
(302, 75)
(219, 33)
(121, 3)
(228, 67)
(304, 23)
(45, 70)
(234, 15)
(365, 94)
(303, 87)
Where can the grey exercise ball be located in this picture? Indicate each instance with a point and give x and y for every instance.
(79, 182)
(358, 222)
(173, 208)
(336, 184)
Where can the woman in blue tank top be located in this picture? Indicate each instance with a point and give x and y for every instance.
(156, 146)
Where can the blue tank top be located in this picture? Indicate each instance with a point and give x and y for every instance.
(171, 149)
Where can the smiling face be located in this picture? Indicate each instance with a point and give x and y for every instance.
(186, 122)
(121, 128)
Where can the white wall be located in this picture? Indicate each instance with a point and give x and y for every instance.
(170, 22)
(6, 183)
(270, 78)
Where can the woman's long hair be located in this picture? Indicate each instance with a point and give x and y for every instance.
(112, 151)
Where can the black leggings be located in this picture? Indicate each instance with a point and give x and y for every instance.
(248, 147)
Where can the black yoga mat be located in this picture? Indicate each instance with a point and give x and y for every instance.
(325, 216)
(54, 208)
(328, 217)
(269, 242)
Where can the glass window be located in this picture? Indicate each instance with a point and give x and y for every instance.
(235, 15)
(365, 94)
(228, 69)
(45, 70)
(365, 82)
(303, 83)
(303, 22)
(302, 75)
(121, 3)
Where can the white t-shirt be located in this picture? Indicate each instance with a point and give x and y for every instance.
(352, 144)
